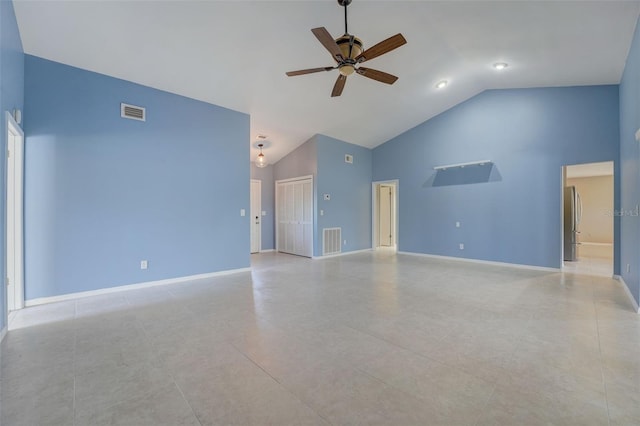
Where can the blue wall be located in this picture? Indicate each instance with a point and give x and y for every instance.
(104, 193)
(11, 97)
(630, 167)
(302, 161)
(267, 196)
(349, 186)
(509, 212)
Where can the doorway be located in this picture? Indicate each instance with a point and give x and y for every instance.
(256, 215)
(587, 218)
(385, 215)
(14, 262)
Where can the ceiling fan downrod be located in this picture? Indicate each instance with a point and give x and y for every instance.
(345, 3)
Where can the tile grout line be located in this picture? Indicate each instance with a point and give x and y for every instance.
(173, 379)
(280, 383)
(75, 351)
(604, 382)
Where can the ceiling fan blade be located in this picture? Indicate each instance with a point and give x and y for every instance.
(377, 75)
(381, 48)
(328, 42)
(339, 86)
(308, 71)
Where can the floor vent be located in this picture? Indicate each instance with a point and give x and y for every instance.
(132, 112)
(331, 238)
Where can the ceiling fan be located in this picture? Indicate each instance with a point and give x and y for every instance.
(348, 53)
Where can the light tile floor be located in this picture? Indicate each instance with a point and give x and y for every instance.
(369, 338)
(590, 266)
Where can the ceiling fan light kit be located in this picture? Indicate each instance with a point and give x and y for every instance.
(348, 53)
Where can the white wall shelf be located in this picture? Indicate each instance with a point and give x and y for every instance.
(462, 165)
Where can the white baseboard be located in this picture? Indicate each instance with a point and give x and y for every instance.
(3, 333)
(267, 251)
(327, 256)
(482, 262)
(628, 292)
(69, 296)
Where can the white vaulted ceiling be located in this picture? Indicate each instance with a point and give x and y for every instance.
(235, 54)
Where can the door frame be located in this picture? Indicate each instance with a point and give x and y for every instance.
(563, 171)
(313, 210)
(17, 154)
(375, 226)
(259, 182)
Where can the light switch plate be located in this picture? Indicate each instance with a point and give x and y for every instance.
(264, 213)
(638, 135)
(242, 212)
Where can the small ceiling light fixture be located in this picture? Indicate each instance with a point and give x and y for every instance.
(261, 161)
(442, 84)
(500, 65)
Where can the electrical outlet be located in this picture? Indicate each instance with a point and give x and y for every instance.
(144, 264)
(243, 212)
(457, 224)
(321, 212)
(264, 213)
(461, 246)
(345, 242)
(628, 268)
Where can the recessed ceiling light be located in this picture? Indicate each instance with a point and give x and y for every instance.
(500, 65)
(442, 84)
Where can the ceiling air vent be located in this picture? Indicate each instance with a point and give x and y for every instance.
(133, 112)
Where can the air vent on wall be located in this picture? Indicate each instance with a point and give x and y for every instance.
(331, 238)
(132, 112)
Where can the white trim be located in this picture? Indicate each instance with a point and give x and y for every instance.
(340, 254)
(3, 333)
(266, 251)
(294, 179)
(628, 292)
(18, 276)
(108, 290)
(483, 262)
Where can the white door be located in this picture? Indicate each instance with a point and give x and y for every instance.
(294, 216)
(386, 215)
(14, 232)
(256, 215)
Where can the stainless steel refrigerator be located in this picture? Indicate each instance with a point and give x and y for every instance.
(572, 217)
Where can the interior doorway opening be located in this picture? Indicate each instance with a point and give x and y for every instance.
(385, 215)
(14, 262)
(587, 218)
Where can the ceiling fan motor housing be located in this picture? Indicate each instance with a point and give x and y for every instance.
(347, 66)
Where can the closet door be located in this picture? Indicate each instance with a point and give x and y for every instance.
(294, 210)
(307, 219)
